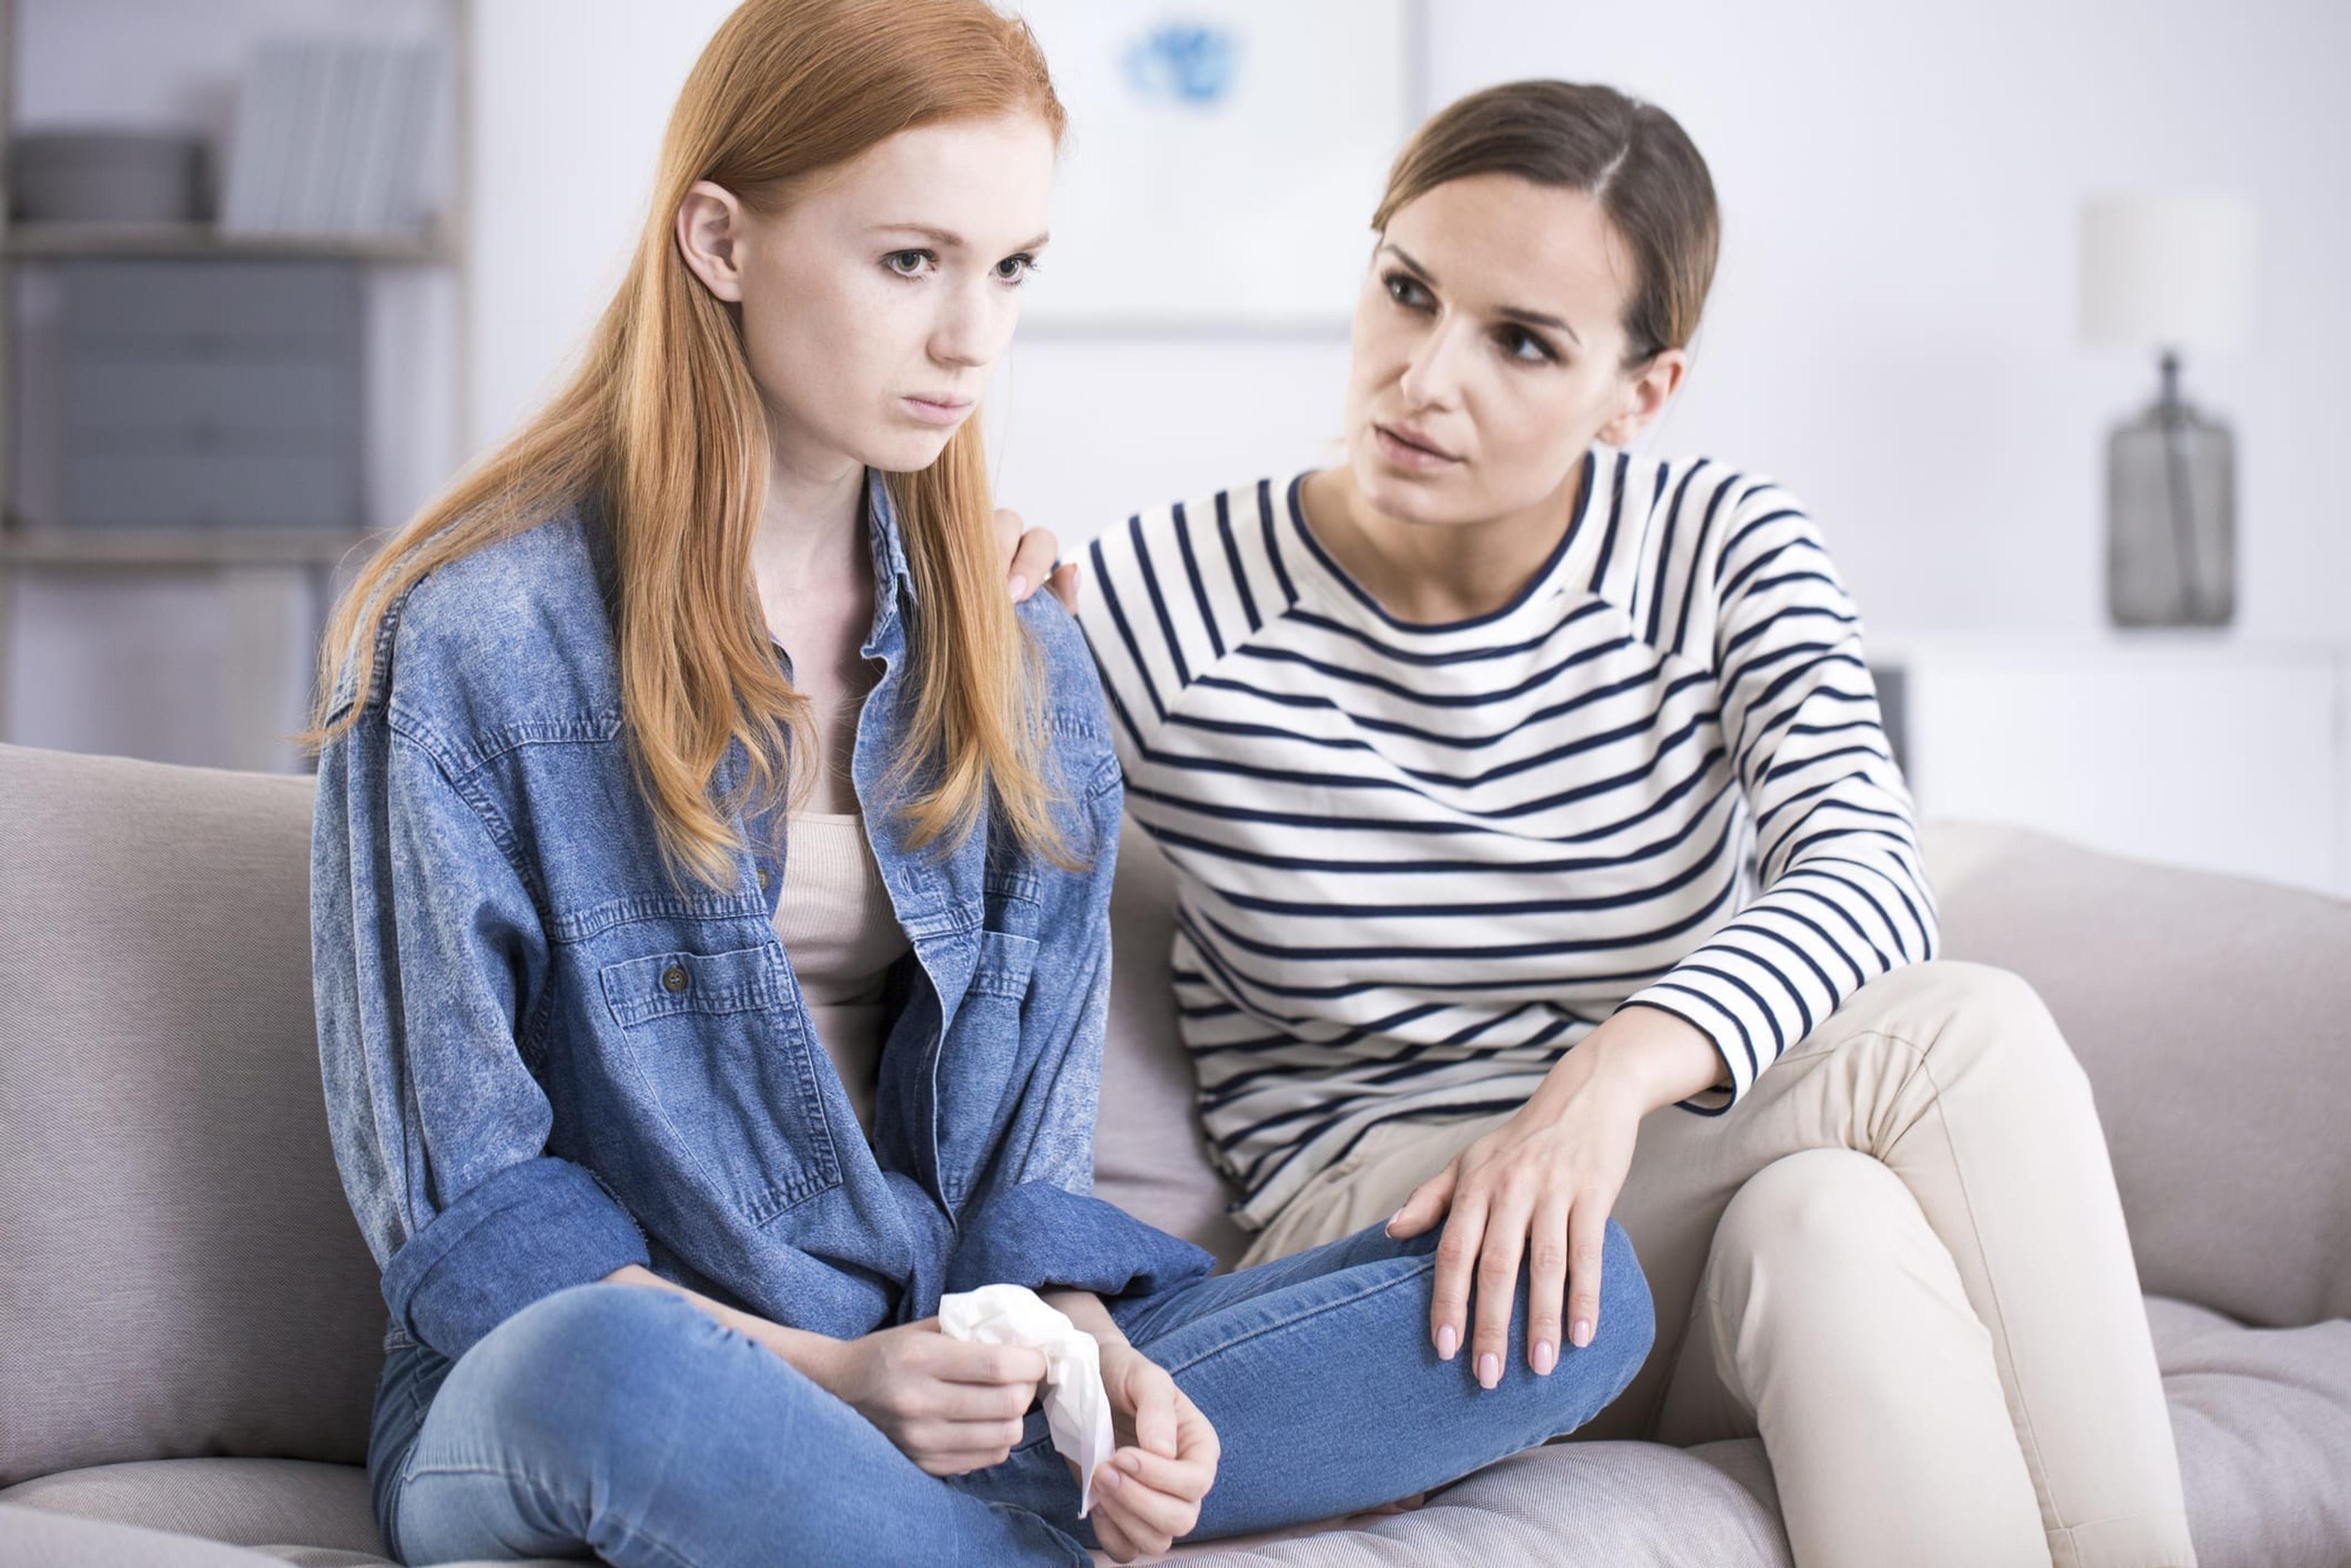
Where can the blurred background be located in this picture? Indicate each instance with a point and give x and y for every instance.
(275, 269)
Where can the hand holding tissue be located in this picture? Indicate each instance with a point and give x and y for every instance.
(1077, 1407)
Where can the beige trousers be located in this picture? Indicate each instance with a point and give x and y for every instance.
(1901, 1261)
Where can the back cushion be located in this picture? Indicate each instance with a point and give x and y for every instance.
(2213, 1016)
(179, 1273)
(1150, 1158)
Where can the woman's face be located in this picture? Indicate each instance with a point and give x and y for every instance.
(875, 301)
(1488, 352)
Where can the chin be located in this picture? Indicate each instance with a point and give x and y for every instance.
(905, 451)
(1406, 496)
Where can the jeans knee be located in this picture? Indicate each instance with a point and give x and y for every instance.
(596, 1359)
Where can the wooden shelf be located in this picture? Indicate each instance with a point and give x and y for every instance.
(133, 548)
(64, 240)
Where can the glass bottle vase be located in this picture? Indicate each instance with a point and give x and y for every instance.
(2171, 523)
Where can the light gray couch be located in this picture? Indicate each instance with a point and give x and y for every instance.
(189, 1323)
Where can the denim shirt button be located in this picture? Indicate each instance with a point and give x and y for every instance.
(674, 978)
(763, 879)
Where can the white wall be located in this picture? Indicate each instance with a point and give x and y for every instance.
(1891, 334)
(1892, 331)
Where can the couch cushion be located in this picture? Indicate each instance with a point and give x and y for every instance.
(35, 1538)
(2263, 1417)
(1150, 1158)
(2213, 1014)
(1567, 1505)
(30, 1538)
(245, 1502)
(180, 1273)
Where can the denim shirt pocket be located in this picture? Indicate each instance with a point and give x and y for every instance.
(985, 1052)
(728, 1055)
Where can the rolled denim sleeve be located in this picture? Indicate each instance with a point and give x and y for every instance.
(428, 954)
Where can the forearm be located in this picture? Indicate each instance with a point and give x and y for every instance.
(814, 1355)
(1647, 1056)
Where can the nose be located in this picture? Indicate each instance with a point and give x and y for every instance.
(1432, 378)
(974, 323)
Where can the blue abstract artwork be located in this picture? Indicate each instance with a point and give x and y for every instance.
(1184, 62)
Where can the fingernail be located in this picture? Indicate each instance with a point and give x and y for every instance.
(1447, 1343)
(1490, 1369)
(1545, 1358)
(1129, 1460)
(1579, 1335)
(1390, 1225)
(1020, 585)
(1109, 1478)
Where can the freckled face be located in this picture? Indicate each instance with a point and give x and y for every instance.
(876, 302)
(1488, 350)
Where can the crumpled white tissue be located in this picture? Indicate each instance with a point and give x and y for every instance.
(1077, 1407)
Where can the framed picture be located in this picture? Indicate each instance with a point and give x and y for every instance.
(1223, 159)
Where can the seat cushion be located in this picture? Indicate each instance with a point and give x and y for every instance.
(34, 1537)
(1566, 1505)
(245, 1502)
(180, 1274)
(2263, 1417)
(198, 1513)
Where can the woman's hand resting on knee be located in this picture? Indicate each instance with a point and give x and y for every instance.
(1539, 1189)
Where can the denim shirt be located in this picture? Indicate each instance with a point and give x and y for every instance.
(545, 1057)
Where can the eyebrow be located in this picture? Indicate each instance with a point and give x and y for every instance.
(948, 238)
(1508, 312)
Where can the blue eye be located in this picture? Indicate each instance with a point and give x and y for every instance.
(909, 262)
(1013, 269)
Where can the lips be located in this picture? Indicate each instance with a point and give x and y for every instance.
(938, 411)
(1405, 442)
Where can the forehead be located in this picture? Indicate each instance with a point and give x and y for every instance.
(1499, 240)
(980, 178)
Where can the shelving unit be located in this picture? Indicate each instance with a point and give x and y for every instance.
(30, 545)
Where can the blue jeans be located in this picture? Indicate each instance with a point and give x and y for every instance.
(626, 1422)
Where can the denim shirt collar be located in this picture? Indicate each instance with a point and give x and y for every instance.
(892, 575)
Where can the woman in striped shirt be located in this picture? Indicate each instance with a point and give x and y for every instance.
(1499, 740)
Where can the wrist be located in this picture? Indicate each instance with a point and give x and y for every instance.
(1644, 1057)
(1085, 1309)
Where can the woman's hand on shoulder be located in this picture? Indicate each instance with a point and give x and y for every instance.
(1028, 558)
(1147, 1495)
(1539, 1189)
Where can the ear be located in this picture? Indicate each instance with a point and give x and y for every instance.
(1644, 397)
(710, 234)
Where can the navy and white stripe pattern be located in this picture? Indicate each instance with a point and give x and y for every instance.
(1417, 862)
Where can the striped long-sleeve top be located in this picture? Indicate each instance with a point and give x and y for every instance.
(1417, 862)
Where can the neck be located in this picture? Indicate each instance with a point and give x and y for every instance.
(808, 527)
(1433, 573)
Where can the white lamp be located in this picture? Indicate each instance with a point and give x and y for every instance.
(2170, 272)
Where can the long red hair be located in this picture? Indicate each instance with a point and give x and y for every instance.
(664, 424)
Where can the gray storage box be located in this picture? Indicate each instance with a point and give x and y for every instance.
(107, 177)
(212, 392)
